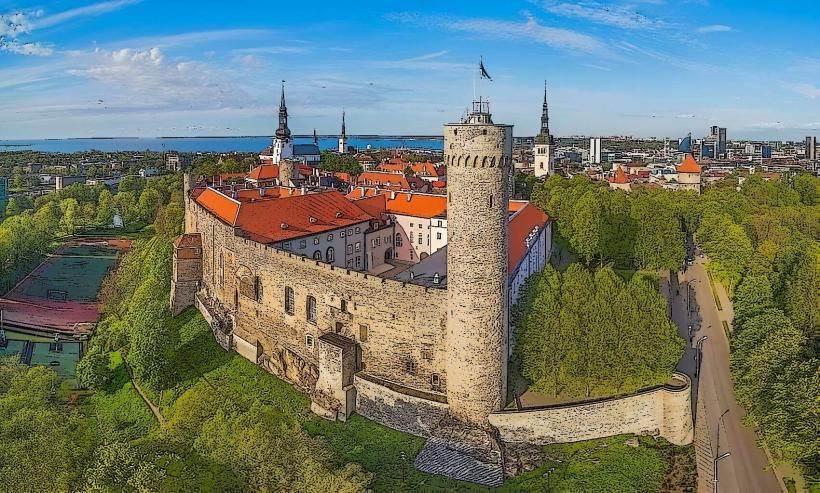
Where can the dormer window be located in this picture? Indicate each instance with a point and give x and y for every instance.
(284, 225)
(436, 278)
(312, 220)
(338, 214)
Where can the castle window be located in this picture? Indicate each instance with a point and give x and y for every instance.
(316, 240)
(362, 332)
(343, 306)
(435, 381)
(330, 237)
(438, 236)
(287, 245)
(358, 229)
(421, 238)
(342, 233)
(410, 366)
(398, 239)
(330, 254)
(309, 340)
(289, 300)
(302, 244)
(349, 263)
(221, 269)
(427, 354)
(411, 225)
(411, 237)
(358, 246)
(311, 309)
(349, 232)
(258, 284)
(349, 249)
(317, 255)
(491, 200)
(358, 262)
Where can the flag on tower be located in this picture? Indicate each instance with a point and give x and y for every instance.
(483, 71)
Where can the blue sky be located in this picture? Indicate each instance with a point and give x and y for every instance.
(643, 68)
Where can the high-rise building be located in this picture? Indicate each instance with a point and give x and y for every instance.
(714, 146)
(478, 154)
(811, 148)
(595, 150)
(542, 149)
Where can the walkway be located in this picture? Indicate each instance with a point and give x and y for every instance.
(154, 409)
(747, 469)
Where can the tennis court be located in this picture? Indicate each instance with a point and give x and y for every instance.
(60, 295)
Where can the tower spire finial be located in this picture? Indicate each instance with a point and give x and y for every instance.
(283, 132)
(344, 134)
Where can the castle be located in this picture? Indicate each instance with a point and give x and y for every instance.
(355, 301)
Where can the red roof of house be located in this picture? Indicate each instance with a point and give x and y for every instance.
(620, 177)
(268, 221)
(439, 184)
(392, 167)
(689, 165)
(264, 172)
(188, 240)
(409, 203)
(393, 181)
(220, 205)
(521, 225)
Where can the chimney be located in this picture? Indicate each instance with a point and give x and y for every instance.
(409, 196)
(392, 195)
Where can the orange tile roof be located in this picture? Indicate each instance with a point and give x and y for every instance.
(439, 184)
(268, 221)
(394, 181)
(521, 225)
(620, 177)
(220, 205)
(689, 165)
(264, 172)
(425, 169)
(392, 167)
(418, 205)
(253, 194)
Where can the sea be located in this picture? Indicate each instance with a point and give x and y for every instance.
(213, 144)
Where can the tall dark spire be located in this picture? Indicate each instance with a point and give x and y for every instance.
(344, 134)
(315, 137)
(544, 135)
(283, 132)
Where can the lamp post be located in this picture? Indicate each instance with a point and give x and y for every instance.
(715, 470)
(698, 354)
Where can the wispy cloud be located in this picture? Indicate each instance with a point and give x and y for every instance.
(803, 88)
(194, 38)
(622, 16)
(715, 28)
(86, 11)
(429, 61)
(530, 30)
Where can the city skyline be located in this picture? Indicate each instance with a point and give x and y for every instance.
(641, 68)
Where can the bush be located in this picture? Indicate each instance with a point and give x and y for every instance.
(94, 371)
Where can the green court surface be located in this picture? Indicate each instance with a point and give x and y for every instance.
(14, 348)
(73, 274)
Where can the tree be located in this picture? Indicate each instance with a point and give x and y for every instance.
(105, 208)
(586, 225)
(93, 370)
(148, 202)
(12, 209)
(659, 242)
(808, 187)
(752, 298)
(802, 300)
(70, 215)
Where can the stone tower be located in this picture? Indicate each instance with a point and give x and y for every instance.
(282, 142)
(542, 150)
(288, 172)
(478, 154)
(343, 137)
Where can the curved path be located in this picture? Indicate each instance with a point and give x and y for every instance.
(154, 409)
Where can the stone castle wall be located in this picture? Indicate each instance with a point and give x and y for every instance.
(664, 411)
(416, 415)
(400, 328)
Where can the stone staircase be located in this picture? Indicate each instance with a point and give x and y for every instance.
(462, 461)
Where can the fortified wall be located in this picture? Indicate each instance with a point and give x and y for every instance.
(397, 329)
(664, 411)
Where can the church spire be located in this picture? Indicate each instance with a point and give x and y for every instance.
(315, 137)
(545, 115)
(344, 134)
(283, 132)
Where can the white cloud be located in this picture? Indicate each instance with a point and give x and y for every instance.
(14, 46)
(15, 24)
(622, 16)
(429, 61)
(146, 77)
(715, 28)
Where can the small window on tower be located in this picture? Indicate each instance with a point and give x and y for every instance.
(410, 366)
(491, 200)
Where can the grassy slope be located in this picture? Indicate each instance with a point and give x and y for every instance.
(207, 372)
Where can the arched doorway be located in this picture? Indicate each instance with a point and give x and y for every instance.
(388, 255)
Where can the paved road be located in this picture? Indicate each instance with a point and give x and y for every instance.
(746, 470)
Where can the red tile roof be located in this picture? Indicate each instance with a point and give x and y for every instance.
(620, 177)
(689, 165)
(268, 221)
(264, 172)
(220, 205)
(188, 240)
(393, 181)
(408, 203)
(521, 225)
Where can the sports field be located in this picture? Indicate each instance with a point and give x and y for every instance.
(60, 295)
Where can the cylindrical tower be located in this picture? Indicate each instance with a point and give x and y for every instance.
(478, 154)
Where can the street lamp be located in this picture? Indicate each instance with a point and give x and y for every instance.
(698, 357)
(715, 470)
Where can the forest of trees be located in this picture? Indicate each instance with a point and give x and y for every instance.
(343, 163)
(641, 230)
(762, 239)
(584, 335)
